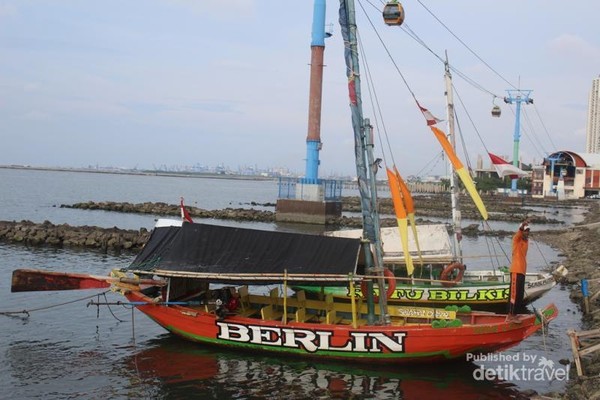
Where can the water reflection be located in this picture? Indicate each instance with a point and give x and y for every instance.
(173, 368)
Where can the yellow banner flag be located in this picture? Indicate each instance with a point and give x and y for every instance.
(461, 171)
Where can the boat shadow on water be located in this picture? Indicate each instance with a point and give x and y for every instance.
(170, 367)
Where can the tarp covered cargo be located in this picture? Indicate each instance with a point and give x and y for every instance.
(202, 248)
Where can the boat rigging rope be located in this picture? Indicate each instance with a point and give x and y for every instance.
(541, 253)
(410, 90)
(388, 53)
(470, 119)
(97, 304)
(432, 164)
(464, 44)
(405, 27)
(544, 325)
(534, 136)
(27, 312)
(544, 126)
(530, 136)
(491, 246)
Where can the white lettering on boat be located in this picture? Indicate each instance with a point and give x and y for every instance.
(309, 340)
(542, 282)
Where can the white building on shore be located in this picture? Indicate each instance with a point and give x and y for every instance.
(567, 175)
(592, 138)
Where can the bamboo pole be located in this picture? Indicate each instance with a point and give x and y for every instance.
(276, 277)
(353, 301)
(285, 297)
(575, 349)
(248, 276)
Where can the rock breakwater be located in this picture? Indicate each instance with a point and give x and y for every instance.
(164, 209)
(65, 235)
(431, 206)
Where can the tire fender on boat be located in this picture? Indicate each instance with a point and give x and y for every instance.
(389, 275)
(444, 277)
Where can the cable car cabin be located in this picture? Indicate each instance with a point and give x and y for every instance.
(496, 111)
(393, 13)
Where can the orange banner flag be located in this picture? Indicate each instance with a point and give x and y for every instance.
(401, 218)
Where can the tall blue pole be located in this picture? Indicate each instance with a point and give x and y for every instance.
(518, 97)
(313, 139)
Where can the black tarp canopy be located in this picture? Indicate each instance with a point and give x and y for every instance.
(213, 249)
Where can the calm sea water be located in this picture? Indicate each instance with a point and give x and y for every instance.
(66, 349)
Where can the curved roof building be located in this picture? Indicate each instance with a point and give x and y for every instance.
(568, 175)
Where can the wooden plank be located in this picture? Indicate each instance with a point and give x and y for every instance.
(589, 349)
(246, 307)
(28, 280)
(588, 334)
(575, 349)
(269, 313)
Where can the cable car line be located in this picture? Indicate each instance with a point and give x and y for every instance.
(466, 46)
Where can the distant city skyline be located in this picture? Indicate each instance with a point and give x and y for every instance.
(187, 82)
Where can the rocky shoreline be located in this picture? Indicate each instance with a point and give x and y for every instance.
(581, 251)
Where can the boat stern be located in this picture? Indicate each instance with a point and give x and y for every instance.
(559, 273)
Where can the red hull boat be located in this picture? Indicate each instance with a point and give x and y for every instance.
(400, 342)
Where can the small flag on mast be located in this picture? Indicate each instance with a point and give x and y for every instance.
(431, 119)
(185, 216)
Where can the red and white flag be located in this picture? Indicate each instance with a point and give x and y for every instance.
(185, 216)
(431, 120)
(503, 168)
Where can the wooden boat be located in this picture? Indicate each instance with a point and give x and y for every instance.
(339, 334)
(479, 289)
(194, 281)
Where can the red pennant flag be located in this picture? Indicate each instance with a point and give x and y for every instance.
(185, 216)
(431, 120)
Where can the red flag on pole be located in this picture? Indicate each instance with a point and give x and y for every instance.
(503, 168)
(185, 216)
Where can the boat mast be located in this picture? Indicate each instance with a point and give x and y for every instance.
(365, 169)
(456, 215)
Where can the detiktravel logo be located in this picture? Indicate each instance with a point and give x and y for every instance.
(517, 367)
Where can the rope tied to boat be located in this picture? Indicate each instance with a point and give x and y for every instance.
(545, 324)
(541, 253)
(28, 312)
(98, 304)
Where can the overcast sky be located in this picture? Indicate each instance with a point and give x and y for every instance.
(144, 83)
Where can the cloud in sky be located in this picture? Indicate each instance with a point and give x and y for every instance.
(575, 48)
(165, 82)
